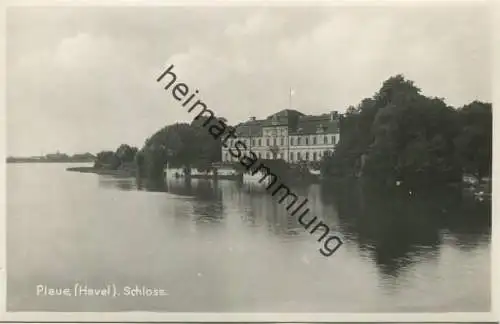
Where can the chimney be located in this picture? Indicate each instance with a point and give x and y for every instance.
(252, 118)
(334, 115)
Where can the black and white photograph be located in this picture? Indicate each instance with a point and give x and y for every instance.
(249, 157)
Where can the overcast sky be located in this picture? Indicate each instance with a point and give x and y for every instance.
(84, 79)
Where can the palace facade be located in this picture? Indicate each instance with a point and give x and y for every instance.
(289, 135)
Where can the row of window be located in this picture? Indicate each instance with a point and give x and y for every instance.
(315, 140)
(294, 156)
(274, 132)
(314, 156)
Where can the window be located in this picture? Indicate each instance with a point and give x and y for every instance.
(291, 156)
(307, 156)
(282, 141)
(260, 155)
(281, 155)
(298, 156)
(298, 140)
(253, 142)
(314, 156)
(259, 142)
(274, 141)
(267, 155)
(325, 140)
(314, 140)
(334, 140)
(267, 142)
(291, 141)
(307, 140)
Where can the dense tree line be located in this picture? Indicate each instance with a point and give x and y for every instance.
(123, 158)
(83, 157)
(397, 134)
(400, 134)
(56, 157)
(181, 145)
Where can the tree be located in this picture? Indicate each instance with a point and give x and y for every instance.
(208, 148)
(126, 153)
(181, 145)
(172, 144)
(401, 134)
(107, 160)
(474, 143)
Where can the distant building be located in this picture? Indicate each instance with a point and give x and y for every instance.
(289, 135)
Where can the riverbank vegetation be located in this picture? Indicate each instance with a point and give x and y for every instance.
(118, 163)
(54, 158)
(401, 135)
(398, 136)
(121, 159)
(181, 145)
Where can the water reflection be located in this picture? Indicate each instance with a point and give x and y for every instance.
(395, 230)
(154, 185)
(219, 247)
(113, 182)
(399, 228)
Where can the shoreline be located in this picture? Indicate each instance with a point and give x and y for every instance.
(126, 173)
(46, 161)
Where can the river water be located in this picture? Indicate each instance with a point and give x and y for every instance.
(218, 247)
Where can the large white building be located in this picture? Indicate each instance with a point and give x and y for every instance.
(289, 135)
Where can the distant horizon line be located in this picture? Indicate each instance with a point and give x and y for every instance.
(187, 121)
(45, 155)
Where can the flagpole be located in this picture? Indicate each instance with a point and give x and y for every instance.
(288, 135)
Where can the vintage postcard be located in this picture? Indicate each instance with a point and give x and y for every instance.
(254, 161)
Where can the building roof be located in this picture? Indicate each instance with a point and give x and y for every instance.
(297, 122)
(285, 113)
